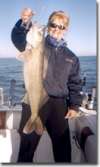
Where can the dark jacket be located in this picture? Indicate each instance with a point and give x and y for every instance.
(18, 35)
(63, 73)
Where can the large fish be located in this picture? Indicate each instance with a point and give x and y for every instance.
(33, 76)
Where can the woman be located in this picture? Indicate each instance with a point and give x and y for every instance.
(62, 84)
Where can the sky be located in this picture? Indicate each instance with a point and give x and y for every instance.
(80, 37)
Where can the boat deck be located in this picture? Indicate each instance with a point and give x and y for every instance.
(10, 139)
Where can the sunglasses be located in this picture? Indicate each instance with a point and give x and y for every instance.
(53, 25)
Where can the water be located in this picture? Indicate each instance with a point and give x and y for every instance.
(88, 68)
(11, 68)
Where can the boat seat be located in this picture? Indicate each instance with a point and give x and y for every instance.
(13, 120)
(9, 145)
(9, 136)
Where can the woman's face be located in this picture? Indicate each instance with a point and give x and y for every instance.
(57, 28)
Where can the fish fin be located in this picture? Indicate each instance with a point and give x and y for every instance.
(29, 127)
(39, 128)
(36, 126)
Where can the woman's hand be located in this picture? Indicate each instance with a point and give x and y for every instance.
(71, 114)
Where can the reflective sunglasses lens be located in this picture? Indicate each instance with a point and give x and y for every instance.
(61, 27)
(53, 25)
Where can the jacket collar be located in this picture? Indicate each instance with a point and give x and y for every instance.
(50, 41)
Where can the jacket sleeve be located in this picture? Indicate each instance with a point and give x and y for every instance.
(74, 86)
(18, 35)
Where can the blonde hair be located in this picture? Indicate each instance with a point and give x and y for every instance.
(60, 15)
